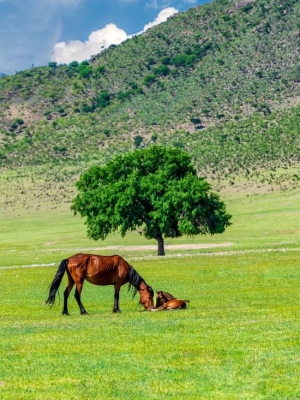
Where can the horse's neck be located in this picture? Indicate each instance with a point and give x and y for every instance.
(135, 279)
(165, 298)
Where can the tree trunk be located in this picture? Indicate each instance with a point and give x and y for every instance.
(161, 246)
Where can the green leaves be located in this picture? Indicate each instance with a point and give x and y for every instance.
(156, 188)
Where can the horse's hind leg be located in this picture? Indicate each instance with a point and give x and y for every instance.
(78, 298)
(116, 299)
(66, 294)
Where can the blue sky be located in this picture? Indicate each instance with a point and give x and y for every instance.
(35, 32)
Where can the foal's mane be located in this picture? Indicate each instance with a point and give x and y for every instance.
(167, 296)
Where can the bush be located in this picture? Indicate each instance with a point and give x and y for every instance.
(184, 60)
(137, 141)
(60, 149)
(149, 80)
(103, 100)
(84, 69)
(19, 121)
(162, 70)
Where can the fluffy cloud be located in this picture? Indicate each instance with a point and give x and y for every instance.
(162, 17)
(75, 50)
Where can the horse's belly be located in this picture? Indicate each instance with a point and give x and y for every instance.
(99, 280)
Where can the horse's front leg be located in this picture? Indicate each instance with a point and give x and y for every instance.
(78, 298)
(116, 299)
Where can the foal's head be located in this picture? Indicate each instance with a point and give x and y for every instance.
(146, 296)
(163, 297)
(160, 298)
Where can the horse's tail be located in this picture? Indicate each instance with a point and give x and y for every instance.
(56, 282)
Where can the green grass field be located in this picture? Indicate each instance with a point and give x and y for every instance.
(265, 221)
(238, 339)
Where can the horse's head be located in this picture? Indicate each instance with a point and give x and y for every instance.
(146, 296)
(162, 297)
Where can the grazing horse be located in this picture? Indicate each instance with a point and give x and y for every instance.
(99, 270)
(174, 304)
(164, 297)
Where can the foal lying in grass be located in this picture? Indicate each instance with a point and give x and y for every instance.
(166, 301)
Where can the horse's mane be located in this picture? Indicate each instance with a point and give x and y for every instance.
(134, 281)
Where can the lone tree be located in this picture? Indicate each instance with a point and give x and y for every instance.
(155, 189)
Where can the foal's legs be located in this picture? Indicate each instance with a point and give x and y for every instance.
(116, 299)
(78, 299)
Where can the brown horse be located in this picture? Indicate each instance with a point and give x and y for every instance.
(174, 304)
(164, 297)
(99, 270)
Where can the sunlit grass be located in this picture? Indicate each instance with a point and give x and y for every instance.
(238, 339)
(269, 221)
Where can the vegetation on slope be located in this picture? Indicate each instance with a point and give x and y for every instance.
(218, 80)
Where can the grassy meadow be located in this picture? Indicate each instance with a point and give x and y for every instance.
(45, 236)
(238, 339)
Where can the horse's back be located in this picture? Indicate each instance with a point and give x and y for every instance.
(98, 269)
(174, 304)
(103, 261)
(83, 256)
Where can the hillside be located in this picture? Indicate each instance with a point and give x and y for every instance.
(221, 80)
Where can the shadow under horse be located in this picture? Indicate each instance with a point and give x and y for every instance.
(102, 271)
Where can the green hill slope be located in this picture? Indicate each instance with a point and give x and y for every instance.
(221, 80)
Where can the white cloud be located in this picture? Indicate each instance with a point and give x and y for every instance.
(162, 17)
(75, 50)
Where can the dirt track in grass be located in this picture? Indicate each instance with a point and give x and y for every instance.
(194, 246)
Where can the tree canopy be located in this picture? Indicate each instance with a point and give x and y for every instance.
(156, 189)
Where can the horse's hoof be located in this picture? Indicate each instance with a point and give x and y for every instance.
(84, 313)
(116, 311)
(65, 313)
